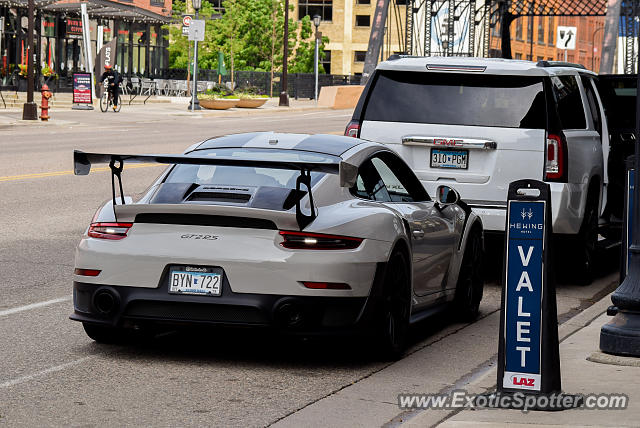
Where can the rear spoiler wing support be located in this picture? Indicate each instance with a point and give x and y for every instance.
(82, 166)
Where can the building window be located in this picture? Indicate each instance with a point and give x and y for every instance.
(324, 8)
(359, 56)
(402, 2)
(540, 30)
(518, 56)
(363, 1)
(540, 58)
(552, 30)
(326, 62)
(529, 58)
(158, 3)
(363, 20)
(519, 29)
(529, 28)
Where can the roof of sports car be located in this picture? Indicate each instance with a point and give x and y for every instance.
(321, 143)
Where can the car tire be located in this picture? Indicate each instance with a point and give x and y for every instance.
(105, 334)
(395, 309)
(585, 245)
(470, 286)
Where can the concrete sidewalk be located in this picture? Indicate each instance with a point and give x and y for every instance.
(584, 371)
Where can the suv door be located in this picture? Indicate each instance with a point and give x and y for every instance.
(582, 130)
(471, 130)
(434, 233)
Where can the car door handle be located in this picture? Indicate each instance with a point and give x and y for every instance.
(418, 233)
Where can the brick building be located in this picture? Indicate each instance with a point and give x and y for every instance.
(542, 46)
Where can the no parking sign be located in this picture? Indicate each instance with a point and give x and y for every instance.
(528, 354)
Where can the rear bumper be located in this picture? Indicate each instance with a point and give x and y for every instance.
(567, 209)
(134, 306)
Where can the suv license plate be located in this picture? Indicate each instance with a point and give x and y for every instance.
(198, 281)
(452, 159)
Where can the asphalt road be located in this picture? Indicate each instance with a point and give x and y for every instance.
(51, 374)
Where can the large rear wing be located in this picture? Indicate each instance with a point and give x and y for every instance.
(83, 161)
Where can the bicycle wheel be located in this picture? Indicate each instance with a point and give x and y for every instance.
(104, 102)
(119, 103)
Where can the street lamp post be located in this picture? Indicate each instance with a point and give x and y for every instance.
(30, 109)
(316, 22)
(284, 97)
(621, 335)
(195, 104)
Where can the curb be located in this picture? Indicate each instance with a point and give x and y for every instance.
(487, 381)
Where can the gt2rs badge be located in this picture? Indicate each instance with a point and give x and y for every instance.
(198, 236)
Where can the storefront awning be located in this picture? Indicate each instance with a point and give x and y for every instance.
(96, 8)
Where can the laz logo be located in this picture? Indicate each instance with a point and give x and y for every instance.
(523, 381)
(447, 142)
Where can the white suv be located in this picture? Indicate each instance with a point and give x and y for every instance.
(478, 124)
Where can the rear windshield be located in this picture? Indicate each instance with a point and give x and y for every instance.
(248, 176)
(458, 99)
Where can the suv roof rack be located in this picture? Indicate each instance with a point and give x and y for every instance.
(559, 64)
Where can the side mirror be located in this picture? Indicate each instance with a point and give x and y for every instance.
(445, 196)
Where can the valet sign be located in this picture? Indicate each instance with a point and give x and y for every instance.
(523, 295)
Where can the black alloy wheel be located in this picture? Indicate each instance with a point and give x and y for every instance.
(393, 322)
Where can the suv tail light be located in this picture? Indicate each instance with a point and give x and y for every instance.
(318, 241)
(353, 129)
(109, 230)
(555, 166)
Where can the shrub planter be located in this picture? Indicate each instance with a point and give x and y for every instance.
(218, 104)
(252, 102)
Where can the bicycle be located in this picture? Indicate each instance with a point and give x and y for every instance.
(106, 100)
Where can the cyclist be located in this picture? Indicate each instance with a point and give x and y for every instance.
(114, 81)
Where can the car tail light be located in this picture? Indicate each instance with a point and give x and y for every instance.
(555, 162)
(87, 272)
(326, 285)
(318, 241)
(353, 129)
(109, 230)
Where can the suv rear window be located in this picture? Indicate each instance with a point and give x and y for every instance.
(457, 99)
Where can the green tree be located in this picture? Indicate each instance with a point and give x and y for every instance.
(250, 33)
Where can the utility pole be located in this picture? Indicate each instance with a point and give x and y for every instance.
(284, 97)
(30, 109)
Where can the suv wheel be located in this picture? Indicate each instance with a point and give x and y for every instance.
(586, 241)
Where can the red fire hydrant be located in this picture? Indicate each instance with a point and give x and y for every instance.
(46, 94)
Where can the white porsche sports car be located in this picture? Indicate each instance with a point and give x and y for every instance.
(303, 233)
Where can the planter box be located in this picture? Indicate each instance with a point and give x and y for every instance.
(252, 102)
(219, 104)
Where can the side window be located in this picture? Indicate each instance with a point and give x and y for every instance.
(395, 189)
(385, 178)
(369, 185)
(592, 100)
(570, 106)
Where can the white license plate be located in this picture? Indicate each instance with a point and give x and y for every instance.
(454, 159)
(199, 283)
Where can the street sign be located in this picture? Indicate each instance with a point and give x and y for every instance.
(196, 30)
(566, 38)
(528, 354)
(186, 22)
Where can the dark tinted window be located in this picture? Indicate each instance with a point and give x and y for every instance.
(569, 101)
(618, 94)
(592, 101)
(386, 178)
(458, 99)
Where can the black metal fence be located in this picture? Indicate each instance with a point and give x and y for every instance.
(299, 85)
